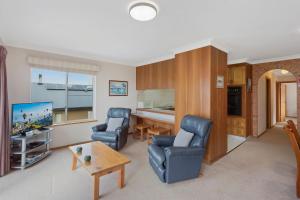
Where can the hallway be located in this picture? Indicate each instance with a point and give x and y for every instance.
(266, 166)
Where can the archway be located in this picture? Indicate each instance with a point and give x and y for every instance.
(277, 99)
(258, 70)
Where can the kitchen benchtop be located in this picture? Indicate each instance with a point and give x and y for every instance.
(157, 110)
(156, 115)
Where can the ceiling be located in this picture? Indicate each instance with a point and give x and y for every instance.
(249, 30)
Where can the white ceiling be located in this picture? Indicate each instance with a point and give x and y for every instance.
(249, 30)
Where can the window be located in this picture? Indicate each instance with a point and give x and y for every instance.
(71, 93)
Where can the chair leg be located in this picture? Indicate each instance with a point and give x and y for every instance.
(142, 135)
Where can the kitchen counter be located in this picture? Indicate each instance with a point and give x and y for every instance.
(164, 116)
(157, 110)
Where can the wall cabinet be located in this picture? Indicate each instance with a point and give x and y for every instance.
(160, 75)
(237, 75)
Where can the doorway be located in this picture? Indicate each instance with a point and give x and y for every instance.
(286, 100)
(277, 99)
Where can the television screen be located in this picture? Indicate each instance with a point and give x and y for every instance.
(29, 116)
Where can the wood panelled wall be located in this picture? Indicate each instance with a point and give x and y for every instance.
(197, 94)
(160, 75)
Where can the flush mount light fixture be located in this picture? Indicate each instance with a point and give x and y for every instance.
(143, 11)
(284, 71)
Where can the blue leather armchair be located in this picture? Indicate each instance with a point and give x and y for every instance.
(173, 164)
(117, 139)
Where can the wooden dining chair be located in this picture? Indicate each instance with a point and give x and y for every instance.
(293, 126)
(294, 137)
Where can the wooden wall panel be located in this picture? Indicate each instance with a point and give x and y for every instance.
(196, 93)
(217, 145)
(181, 86)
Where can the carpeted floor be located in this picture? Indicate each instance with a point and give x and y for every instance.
(261, 168)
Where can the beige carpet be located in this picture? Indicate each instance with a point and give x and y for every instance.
(262, 168)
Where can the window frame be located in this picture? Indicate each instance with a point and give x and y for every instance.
(68, 122)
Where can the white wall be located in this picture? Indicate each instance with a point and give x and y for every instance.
(262, 100)
(273, 98)
(18, 74)
(291, 99)
(262, 115)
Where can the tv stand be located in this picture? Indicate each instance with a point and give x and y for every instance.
(30, 148)
(43, 129)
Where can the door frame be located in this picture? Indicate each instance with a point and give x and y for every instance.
(268, 103)
(278, 98)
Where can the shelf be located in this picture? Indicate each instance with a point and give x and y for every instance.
(35, 160)
(32, 134)
(32, 150)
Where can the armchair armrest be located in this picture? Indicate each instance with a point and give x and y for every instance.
(183, 163)
(100, 127)
(120, 130)
(122, 133)
(163, 141)
(183, 151)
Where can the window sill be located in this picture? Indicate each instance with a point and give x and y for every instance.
(81, 121)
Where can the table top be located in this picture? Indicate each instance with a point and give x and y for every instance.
(103, 158)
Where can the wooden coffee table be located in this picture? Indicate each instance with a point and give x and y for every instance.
(104, 161)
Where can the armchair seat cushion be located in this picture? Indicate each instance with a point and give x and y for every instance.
(105, 136)
(157, 154)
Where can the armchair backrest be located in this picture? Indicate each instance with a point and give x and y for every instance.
(120, 113)
(199, 126)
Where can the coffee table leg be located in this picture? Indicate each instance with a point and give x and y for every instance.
(74, 163)
(122, 177)
(96, 187)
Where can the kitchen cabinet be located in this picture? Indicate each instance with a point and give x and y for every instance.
(236, 75)
(160, 75)
(140, 78)
(236, 126)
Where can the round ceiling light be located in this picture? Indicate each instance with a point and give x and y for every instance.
(283, 71)
(143, 11)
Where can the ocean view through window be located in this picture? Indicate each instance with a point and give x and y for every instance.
(71, 93)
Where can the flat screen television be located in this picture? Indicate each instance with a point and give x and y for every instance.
(30, 116)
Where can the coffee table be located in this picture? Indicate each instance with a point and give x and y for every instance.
(104, 160)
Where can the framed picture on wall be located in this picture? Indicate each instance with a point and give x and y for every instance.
(118, 88)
